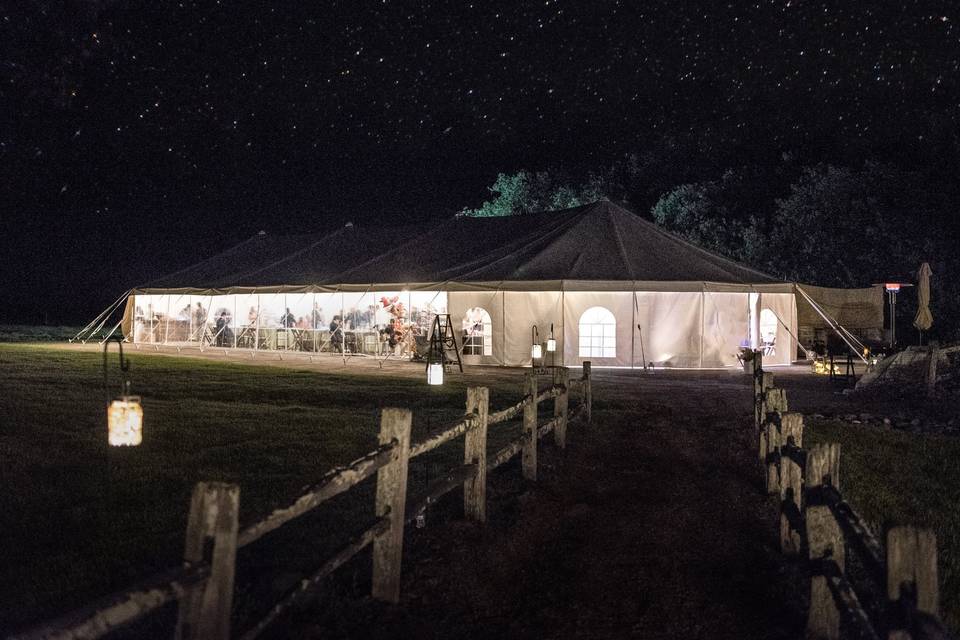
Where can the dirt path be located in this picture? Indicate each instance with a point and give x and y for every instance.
(650, 525)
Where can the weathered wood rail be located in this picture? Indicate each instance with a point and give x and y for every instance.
(203, 585)
(817, 524)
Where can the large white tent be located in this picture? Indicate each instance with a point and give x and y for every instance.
(616, 289)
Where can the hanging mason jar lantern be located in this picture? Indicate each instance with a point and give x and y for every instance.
(551, 342)
(125, 421)
(124, 413)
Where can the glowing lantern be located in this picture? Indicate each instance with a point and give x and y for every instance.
(822, 367)
(551, 343)
(536, 352)
(435, 374)
(125, 422)
(124, 414)
(536, 349)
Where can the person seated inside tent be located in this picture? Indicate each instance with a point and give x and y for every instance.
(388, 337)
(288, 320)
(222, 329)
(336, 333)
(199, 315)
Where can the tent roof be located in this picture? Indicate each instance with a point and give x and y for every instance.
(599, 242)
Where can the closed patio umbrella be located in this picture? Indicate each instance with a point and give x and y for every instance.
(923, 320)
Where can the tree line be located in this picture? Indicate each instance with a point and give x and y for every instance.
(834, 225)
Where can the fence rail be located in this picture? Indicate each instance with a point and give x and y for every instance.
(203, 585)
(818, 524)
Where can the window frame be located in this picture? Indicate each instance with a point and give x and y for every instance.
(597, 339)
(485, 346)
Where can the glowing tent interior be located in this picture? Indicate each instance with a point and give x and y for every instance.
(616, 290)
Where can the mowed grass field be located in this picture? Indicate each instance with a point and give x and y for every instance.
(78, 520)
(897, 478)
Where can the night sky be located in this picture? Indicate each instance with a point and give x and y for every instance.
(137, 137)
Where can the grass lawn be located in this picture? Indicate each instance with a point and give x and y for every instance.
(78, 521)
(24, 333)
(893, 477)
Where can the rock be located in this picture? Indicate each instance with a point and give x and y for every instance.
(855, 422)
(915, 422)
(886, 422)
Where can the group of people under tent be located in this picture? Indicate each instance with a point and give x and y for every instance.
(348, 332)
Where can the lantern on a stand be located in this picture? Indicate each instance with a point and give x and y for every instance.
(536, 349)
(124, 412)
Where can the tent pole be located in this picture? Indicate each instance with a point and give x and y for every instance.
(102, 318)
(115, 327)
(106, 311)
(166, 322)
(702, 302)
(100, 326)
(633, 325)
(503, 326)
(256, 328)
(563, 323)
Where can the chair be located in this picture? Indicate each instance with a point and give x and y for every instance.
(769, 348)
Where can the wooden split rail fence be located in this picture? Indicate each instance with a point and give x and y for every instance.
(818, 524)
(203, 585)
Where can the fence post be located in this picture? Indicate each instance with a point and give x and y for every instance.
(757, 389)
(475, 452)
(823, 462)
(912, 573)
(774, 399)
(763, 382)
(770, 450)
(392, 504)
(791, 483)
(204, 612)
(587, 392)
(560, 404)
(825, 542)
(530, 428)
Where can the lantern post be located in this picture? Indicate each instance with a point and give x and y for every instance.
(536, 349)
(892, 287)
(124, 413)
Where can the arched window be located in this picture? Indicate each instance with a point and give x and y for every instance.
(598, 333)
(477, 333)
(768, 332)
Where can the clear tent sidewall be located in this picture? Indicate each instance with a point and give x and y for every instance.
(702, 327)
